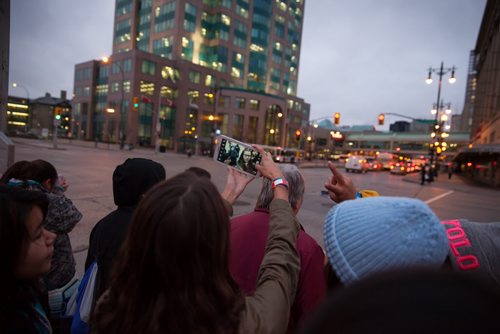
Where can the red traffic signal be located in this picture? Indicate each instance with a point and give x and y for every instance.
(381, 119)
(336, 118)
(298, 133)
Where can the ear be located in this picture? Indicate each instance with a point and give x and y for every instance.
(47, 184)
(297, 206)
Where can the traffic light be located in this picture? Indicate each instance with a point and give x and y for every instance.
(336, 118)
(135, 103)
(381, 119)
(57, 113)
(298, 133)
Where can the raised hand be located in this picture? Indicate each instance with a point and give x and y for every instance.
(340, 187)
(236, 183)
(267, 167)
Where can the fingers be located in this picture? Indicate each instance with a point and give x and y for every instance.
(338, 176)
(333, 188)
(259, 149)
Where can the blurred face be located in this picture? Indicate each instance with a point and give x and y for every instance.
(38, 249)
(247, 156)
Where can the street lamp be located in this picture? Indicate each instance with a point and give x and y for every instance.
(439, 71)
(439, 133)
(106, 60)
(309, 140)
(15, 85)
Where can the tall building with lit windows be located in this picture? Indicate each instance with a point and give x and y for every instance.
(195, 68)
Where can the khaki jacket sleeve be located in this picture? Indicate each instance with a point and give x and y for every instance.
(268, 309)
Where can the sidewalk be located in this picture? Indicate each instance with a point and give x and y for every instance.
(64, 144)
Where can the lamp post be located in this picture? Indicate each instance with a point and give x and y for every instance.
(309, 140)
(439, 133)
(439, 71)
(15, 85)
(106, 60)
(215, 119)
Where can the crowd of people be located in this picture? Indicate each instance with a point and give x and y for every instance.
(171, 258)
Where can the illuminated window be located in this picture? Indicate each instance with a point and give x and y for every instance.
(147, 88)
(254, 104)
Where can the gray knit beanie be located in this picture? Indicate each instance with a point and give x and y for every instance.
(375, 234)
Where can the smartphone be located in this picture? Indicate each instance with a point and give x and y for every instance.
(236, 154)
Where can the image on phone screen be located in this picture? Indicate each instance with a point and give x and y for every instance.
(238, 156)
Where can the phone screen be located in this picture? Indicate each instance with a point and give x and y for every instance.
(238, 156)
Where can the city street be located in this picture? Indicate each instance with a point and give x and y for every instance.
(89, 171)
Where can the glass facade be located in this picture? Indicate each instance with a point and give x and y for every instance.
(189, 17)
(251, 45)
(163, 47)
(123, 7)
(122, 31)
(144, 26)
(258, 62)
(164, 17)
(145, 123)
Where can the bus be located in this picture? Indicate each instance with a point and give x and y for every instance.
(284, 155)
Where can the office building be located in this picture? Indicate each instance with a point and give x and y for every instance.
(400, 126)
(18, 109)
(182, 71)
(4, 60)
(486, 116)
(470, 95)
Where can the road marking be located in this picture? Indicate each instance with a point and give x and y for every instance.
(438, 197)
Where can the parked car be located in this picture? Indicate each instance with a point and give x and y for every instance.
(356, 164)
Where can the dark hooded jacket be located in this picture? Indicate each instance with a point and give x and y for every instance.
(130, 181)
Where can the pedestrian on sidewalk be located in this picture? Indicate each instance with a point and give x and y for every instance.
(425, 174)
(450, 170)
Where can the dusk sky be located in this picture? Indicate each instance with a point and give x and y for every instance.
(358, 57)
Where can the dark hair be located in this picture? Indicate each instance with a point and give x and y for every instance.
(14, 172)
(199, 172)
(39, 171)
(172, 274)
(240, 160)
(15, 206)
(410, 301)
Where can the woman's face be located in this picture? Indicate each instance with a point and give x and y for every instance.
(247, 155)
(38, 250)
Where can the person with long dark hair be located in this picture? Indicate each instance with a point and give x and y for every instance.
(172, 275)
(245, 162)
(62, 216)
(26, 248)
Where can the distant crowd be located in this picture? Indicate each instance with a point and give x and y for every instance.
(171, 258)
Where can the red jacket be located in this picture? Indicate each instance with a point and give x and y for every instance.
(248, 240)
